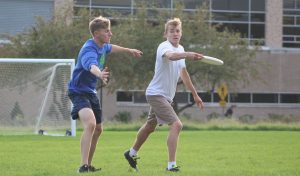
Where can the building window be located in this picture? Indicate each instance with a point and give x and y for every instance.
(256, 17)
(216, 98)
(289, 98)
(193, 4)
(139, 97)
(289, 4)
(257, 5)
(233, 5)
(291, 23)
(181, 97)
(124, 96)
(225, 16)
(240, 98)
(265, 98)
(243, 29)
(289, 20)
(205, 96)
(108, 3)
(257, 31)
(159, 3)
(246, 17)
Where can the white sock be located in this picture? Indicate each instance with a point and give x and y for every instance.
(171, 164)
(132, 152)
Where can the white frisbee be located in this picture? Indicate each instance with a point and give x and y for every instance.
(212, 60)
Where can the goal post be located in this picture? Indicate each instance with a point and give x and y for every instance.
(34, 96)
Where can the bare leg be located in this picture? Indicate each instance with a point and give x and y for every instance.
(89, 123)
(175, 129)
(144, 133)
(97, 133)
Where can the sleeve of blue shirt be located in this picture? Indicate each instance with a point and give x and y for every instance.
(88, 59)
(108, 48)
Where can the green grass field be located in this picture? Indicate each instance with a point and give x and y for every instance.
(207, 153)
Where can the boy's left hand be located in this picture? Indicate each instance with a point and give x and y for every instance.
(136, 53)
(199, 102)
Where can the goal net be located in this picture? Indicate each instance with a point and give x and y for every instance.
(33, 95)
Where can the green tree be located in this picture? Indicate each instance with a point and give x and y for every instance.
(136, 32)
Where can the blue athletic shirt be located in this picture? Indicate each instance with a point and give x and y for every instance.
(83, 81)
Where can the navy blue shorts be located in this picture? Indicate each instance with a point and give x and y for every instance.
(87, 100)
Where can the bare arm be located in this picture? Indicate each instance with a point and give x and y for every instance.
(181, 55)
(119, 49)
(188, 83)
(103, 75)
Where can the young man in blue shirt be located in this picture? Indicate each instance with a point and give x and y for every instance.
(82, 86)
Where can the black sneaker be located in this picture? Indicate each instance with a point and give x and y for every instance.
(83, 169)
(131, 160)
(93, 169)
(174, 169)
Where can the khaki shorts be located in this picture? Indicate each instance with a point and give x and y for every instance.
(161, 110)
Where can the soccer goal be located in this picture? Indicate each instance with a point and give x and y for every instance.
(33, 96)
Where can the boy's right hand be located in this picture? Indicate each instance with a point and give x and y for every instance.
(104, 75)
(195, 56)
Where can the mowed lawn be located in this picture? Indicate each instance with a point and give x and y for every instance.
(207, 153)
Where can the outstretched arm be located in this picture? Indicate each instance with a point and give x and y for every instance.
(119, 49)
(180, 55)
(188, 83)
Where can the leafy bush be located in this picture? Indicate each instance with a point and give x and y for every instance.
(276, 117)
(123, 117)
(282, 118)
(186, 116)
(247, 118)
(144, 115)
(213, 115)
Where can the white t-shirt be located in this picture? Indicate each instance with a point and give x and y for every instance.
(167, 72)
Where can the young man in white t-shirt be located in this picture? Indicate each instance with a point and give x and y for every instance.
(169, 66)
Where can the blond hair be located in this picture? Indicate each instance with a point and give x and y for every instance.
(99, 23)
(172, 22)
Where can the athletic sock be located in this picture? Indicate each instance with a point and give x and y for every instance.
(171, 164)
(132, 152)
